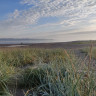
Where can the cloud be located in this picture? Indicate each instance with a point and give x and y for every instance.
(68, 9)
(15, 14)
(93, 21)
(70, 13)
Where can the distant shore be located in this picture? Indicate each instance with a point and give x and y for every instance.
(66, 45)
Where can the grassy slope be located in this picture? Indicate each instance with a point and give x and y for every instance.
(45, 72)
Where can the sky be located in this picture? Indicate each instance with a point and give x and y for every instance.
(59, 20)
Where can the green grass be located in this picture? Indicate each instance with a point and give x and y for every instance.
(44, 72)
(93, 51)
(84, 42)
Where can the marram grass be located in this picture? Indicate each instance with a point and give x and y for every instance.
(44, 72)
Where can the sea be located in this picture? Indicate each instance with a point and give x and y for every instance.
(23, 41)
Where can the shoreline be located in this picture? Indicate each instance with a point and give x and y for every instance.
(66, 45)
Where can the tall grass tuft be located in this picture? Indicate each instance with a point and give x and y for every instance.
(44, 72)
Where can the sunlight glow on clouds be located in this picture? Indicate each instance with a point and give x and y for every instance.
(71, 14)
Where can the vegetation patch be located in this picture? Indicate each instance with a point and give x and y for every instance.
(44, 72)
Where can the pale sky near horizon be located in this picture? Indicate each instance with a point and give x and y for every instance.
(60, 20)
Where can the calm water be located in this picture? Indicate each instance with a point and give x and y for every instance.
(23, 41)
